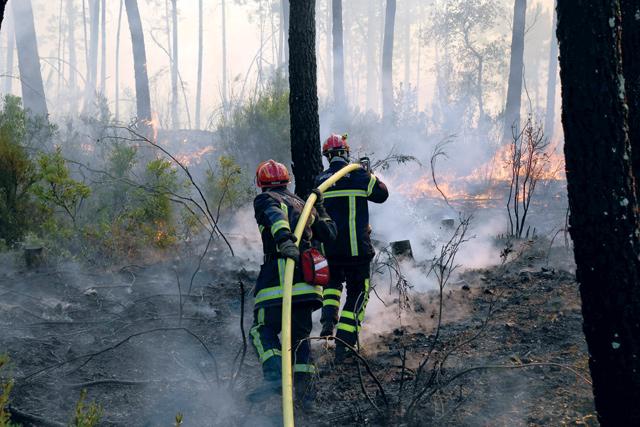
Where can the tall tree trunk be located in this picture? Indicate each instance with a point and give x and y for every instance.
(603, 221)
(73, 60)
(11, 43)
(3, 4)
(174, 65)
(225, 94)
(408, 15)
(103, 60)
(200, 53)
(286, 13)
(387, 61)
(143, 99)
(550, 116)
(631, 65)
(338, 55)
(516, 68)
(92, 65)
(303, 97)
(33, 97)
(117, 80)
(372, 87)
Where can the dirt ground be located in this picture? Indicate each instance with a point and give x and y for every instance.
(511, 340)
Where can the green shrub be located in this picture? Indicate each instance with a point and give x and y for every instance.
(86, 416)
(5, 390)
(228, 185)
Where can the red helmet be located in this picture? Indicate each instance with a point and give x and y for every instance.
(334, 144)
(272, 174)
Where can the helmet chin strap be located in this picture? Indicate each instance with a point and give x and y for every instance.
(343, 155)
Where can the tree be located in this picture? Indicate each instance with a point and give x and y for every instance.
(516, 68)
(338, 55)
(303, 96)
(550, 115)
(387, 60)
(92, 57)
(71, 46)
(103, 61)
(33, 97)
(3, 4)
(200, 52)
(143, 99)
(631, 67)
(372, 25)
(174, 65)
(11, 43)
(225, 94)
(603, 221)
(117, 65)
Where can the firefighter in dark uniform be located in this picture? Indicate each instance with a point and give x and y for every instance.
(277, 211)
(351, 253)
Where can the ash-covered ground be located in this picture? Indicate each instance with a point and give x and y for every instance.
(510, 350)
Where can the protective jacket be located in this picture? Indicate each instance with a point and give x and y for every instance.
(277, 212)
(346, 203)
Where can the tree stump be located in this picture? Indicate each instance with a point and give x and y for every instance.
(34, 256)
(402, 249)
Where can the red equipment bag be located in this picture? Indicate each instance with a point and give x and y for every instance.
(315, 268)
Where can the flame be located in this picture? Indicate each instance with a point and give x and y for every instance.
(195, 157)
(154, 123)
(486, 182)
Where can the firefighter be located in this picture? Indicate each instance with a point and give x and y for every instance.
(277, 211)
(351, 253)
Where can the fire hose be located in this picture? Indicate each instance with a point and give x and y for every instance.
(287, 375)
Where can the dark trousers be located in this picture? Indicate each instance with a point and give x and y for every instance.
(349, 321)
(267, 324)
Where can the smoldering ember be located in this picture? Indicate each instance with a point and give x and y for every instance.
(319, 213)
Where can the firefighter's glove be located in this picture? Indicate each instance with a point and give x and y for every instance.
(289, 249)
(319, 204)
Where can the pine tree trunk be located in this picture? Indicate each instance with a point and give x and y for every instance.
(174, 66)
(117, 79)
(143, 99)
(200, 53)
(33, 96)
(550, 117)
(338, 55)
(103, 60)
(631, 66)
(303, 97)
(372, 88)
(603, 221)
(387, 61)
(3, 4)
(408, 14)
(516, 68)
(286, 13)
(11, 43)
(92, 75)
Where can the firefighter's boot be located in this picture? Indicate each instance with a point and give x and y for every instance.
(305, 390)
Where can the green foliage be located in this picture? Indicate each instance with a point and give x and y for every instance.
(259, 129)
(56, 188)
(17, 172)
(5, 390)
(86, 416)
(179, 419)
(227, 185)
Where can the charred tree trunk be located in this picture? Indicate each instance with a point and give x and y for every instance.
(200, 53)
(631, 66)
(71, 46)
(92, 65)
(303, 97)
(117, 64)
(143, 99)
(516, 67)
(338, 55)
(604, 222)
(33, 97)
(174, 65)
(550, 119)
(286, 8)
(11, 43)
(3, 4)
(387, 61)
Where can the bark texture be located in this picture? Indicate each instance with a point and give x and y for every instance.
(631, 65)
(387, 60)
(303, 97)
(338, 54)
(603, 205)
(516, 67)
(33, 97)
(550, 116)
(143, 99)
